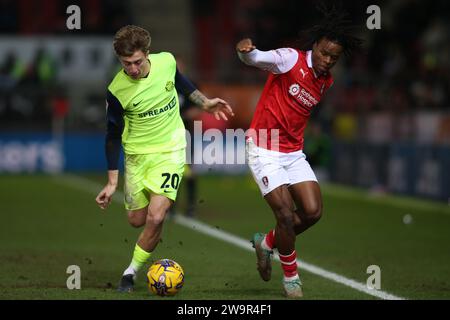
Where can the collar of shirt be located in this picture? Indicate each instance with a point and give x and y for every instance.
(309, 61)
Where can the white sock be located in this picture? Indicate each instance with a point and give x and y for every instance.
(129, 270)
(264, 245)
(291, 278)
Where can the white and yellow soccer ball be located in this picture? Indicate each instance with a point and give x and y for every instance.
(165, 277)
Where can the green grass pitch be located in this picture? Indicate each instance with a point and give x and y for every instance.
(49, 224)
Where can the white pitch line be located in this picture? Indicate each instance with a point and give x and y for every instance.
(245, 244)
(93, 187)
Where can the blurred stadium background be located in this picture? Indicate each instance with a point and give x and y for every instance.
(379, 142)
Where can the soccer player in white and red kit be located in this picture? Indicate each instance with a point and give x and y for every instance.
(296, 83)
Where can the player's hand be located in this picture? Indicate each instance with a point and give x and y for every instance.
(245, 45)
(220, 108)
(105, 196)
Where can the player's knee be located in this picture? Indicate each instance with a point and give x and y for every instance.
(285, 217)
(314, 212)
(136, 220)
(136, 223)
(155, 218)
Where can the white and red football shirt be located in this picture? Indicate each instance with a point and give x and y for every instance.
(291, 91)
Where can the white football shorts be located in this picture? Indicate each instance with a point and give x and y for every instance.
(271, 169)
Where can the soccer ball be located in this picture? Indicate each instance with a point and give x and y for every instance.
(165, 277)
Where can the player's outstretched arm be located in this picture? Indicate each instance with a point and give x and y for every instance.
(277, 61)
(219, 107)
(253, 57)
(104, 197)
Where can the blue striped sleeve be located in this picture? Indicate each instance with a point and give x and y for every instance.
(183, 84)
(114, 129)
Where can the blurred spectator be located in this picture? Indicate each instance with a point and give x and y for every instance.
(11, 71)
(27, 90)
(42, 69)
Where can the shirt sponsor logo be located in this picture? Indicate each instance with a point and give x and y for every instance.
(302, 96)
(157, 111)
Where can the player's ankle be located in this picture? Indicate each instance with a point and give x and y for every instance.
(265, 246)
(130, 270)
(290, 277)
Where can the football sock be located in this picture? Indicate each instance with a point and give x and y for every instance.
(289, 265)
(268, 240)
(140, 257)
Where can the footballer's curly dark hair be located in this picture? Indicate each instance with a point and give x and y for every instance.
(334, 26)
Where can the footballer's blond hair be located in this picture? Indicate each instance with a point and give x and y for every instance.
(130, 39)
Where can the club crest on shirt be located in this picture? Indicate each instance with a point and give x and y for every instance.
(169, 86)
(265, 181)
